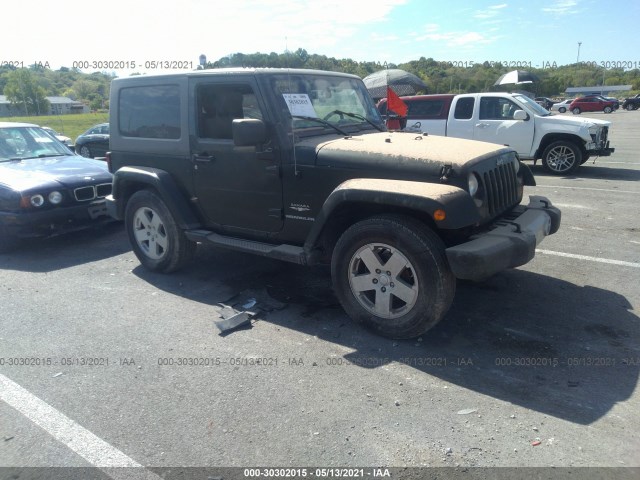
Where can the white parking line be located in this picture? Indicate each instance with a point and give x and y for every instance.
(90, 447)
(587, 188)
(592, 259)
(619, 163)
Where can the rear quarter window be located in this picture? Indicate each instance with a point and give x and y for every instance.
(149, 112)
(426, 109)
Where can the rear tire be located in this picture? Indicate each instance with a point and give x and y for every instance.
(157, 241)
(561, 157)
(391, 274)
(85, 151)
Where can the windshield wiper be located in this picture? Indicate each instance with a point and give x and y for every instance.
(322, 122)
(45, 155)
(359, 117)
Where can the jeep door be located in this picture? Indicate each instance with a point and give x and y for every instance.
(236, 187)
(496, 124)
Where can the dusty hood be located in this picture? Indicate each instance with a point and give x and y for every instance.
(400, 149)
(574, 121)
(68, 171)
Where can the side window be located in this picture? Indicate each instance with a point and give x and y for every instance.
(219, 104)
(426, 108)
(464, 108)
(150, 112)
(495, 108)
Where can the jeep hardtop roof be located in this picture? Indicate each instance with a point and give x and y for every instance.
(250, 71)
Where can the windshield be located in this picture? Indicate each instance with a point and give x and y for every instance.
(339, 101)
(17, 143)
(532, 105)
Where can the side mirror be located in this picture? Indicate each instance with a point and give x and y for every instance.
(248, 132)
(520, 115)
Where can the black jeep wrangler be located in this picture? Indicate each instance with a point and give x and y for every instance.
(297, 165)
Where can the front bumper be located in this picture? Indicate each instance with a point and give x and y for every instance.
(605, 151)
(52, 221)
(510, 242)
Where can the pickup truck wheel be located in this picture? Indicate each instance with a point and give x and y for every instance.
(157, 241)
(607, 110)
(391, 274)
(576, 111)
(561, 157)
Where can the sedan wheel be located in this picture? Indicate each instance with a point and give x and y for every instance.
(85, 152)
(561, 158)
(607, 110)
(562, 109)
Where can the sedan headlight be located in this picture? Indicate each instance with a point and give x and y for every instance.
(37, 200)
(55, 197)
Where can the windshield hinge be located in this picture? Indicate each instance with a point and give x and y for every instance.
(445, 172)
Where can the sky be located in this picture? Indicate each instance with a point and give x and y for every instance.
(112, 34)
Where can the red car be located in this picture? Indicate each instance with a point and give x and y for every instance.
(591, 104)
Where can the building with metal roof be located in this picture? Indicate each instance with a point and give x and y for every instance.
(597, 90)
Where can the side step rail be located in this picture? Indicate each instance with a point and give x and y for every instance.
(288, 253)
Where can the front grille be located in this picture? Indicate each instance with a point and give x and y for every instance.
(501, 187)
(103, 190)
(91, 192)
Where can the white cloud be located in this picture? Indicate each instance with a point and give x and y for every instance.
(149, 30)
(562, 7)
(489, 12)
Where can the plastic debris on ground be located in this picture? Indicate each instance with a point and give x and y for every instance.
(241, 309)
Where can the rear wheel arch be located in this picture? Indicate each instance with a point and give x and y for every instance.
(128, 180)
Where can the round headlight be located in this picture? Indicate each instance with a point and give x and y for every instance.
(37, 200)
(473, 184)
(55, 197)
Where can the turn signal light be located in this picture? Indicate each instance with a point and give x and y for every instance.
(439, 215)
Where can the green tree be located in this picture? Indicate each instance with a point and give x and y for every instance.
(25, 94)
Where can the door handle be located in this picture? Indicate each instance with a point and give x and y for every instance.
(482, 125)
(202, 158)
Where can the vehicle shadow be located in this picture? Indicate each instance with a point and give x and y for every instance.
(68, 250)
(542, 343)
(592, 171)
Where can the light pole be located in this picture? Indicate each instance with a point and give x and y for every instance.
(578, 59)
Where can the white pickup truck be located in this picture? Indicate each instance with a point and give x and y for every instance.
(562, 143)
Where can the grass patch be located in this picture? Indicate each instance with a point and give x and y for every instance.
(70, 125)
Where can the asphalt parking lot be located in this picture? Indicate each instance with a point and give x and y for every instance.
(536, 367)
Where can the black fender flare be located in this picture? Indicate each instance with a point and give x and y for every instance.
(128, 180)
(458, 205)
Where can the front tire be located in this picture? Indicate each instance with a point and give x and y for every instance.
(562, 109)
(157, 241)
(576, 111)
(391, 274)
(561, 157)
(607, 110)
